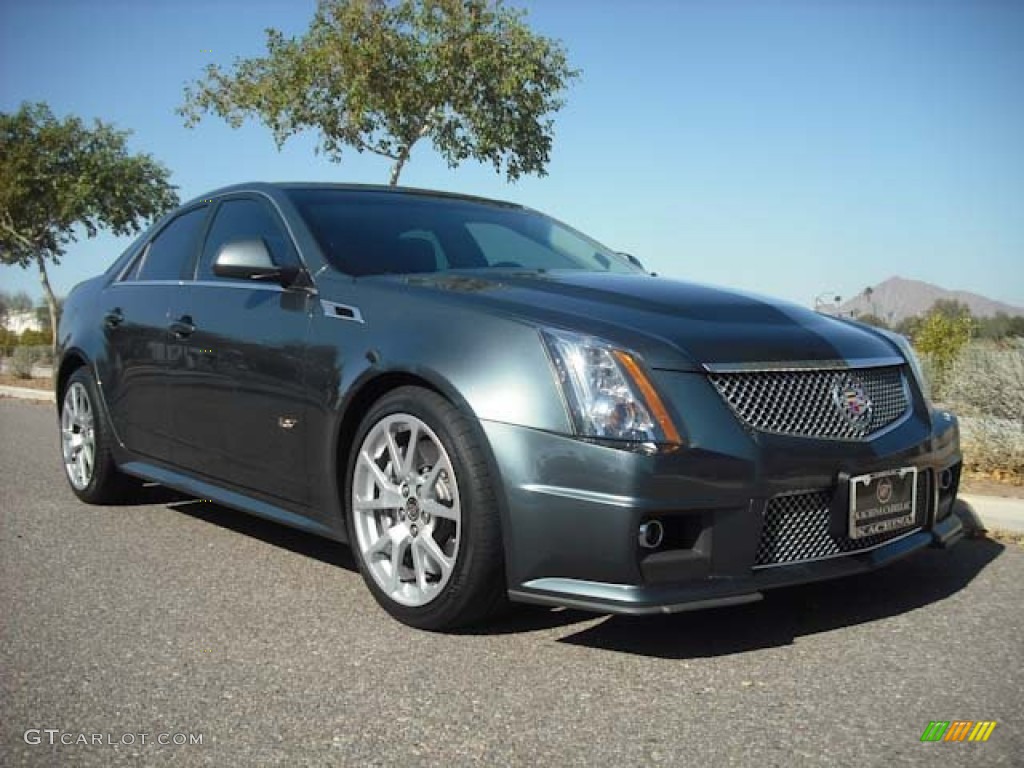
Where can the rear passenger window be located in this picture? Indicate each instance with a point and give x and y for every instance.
(169, 255)
(245, 219)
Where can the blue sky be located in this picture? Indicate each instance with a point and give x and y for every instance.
(790, 148)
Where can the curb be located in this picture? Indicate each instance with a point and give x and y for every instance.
(24, 393)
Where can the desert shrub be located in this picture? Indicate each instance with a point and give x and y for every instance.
(34, 338)
(985, 387)
(22, 361)
(993, 446)
(987, 379)
(43, 354)
(8, 341)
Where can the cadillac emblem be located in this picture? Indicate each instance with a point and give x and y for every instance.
(884, 491)
(852, 401)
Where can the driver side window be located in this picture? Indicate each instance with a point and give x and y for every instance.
(245, 219)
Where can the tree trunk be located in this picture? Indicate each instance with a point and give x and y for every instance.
(403, 156)
(396, 169)
(51, 301)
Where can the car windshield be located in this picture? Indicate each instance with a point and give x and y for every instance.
(373, 233)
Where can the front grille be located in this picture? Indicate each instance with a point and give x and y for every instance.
(816, 403)
(796, 527)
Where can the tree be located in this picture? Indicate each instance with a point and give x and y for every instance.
(14, 302)
(942, 334)
(379, 76)
(1016, 327)
(872, 319)
(58, 177)
(1000, 326)
(950, 308)
(869, 294)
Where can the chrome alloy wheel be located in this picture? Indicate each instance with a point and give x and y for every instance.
(406, 510)
(78, 436)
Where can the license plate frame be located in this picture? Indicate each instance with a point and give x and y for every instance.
(865, 520)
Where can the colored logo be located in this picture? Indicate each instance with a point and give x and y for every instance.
(958, 730)
(852, 401)
(884, 491)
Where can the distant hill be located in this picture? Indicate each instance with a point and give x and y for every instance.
(898, 298)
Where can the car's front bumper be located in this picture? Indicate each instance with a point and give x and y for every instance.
(572, 509)
(714, 593)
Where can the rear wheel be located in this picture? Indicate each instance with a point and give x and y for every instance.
(86, 443)
(422, 512)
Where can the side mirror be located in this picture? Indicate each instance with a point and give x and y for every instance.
(632, 260)
(250, 260)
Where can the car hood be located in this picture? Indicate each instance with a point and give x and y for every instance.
(673, 324)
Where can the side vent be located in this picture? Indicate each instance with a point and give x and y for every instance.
(341, 311)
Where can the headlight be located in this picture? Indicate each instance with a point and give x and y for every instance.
(607, 392)
(912, 359)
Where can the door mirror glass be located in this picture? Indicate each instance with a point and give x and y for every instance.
(251, 260)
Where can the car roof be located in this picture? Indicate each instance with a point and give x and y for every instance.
(371, 189)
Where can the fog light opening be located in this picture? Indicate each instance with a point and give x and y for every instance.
(946, 479)
(651, 534)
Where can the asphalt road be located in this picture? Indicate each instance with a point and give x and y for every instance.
(180, 617)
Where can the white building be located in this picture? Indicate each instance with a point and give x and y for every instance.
(18, 322)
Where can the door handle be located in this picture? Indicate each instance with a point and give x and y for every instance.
(113, 318)
(183, 327)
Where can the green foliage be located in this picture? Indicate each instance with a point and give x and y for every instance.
(872, 319)
(1001, 326)
(60, 175)
(908, 326)
(8, 341)
(33, 338)
(36, 341)
(56, 175)
(378, 76)
(950, 308)
(940, 336)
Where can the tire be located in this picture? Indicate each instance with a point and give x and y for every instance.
(436, 516)
(85, 433)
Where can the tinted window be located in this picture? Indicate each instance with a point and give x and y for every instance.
(507, 248)
(245, 220)
(132, 273)
(172, 250)
(370, 233)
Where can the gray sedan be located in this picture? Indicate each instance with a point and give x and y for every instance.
(488, 406)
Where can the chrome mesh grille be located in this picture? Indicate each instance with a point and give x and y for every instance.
(796, 527)
(811, 403)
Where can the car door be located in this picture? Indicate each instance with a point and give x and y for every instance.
(236, 395)
(137, 309)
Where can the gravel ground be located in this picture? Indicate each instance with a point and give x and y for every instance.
(175, 616)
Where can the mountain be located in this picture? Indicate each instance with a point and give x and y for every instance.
(898, 298)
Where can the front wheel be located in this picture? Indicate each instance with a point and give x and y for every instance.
(422, 513)
(86, 443)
